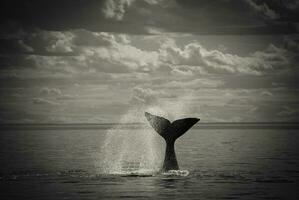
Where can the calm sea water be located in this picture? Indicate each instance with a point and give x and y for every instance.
(222, 163)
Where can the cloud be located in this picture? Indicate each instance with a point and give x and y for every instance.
(288, 112)
(50, 91)
(58, 44)
(88, 38)
(67, 97)
(148, 96)
(116, 9)
(42, 101)
(271, 59)
(119, 56)
(217, 62)
(115, 53)
(263, 9)
(181, 71)
(51, 41)
(155, 16)
(193, 84)
(57, 93)
(24, 47)
(92, 52)
(15, 46)
(122, 57)
(266, 93)
(61, 44)
(144, 96)
(177, 75)
(292, 4)
(291, 43)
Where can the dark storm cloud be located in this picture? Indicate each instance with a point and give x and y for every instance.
(14, 46)
(279, 10)
(51, 14)
(243, 16)
(291, 42)
(63, 15)
(152, 16)
(15, 61)
(36, 42)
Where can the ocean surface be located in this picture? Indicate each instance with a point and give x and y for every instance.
(65, 162)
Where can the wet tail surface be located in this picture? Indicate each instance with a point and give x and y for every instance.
(170, 132)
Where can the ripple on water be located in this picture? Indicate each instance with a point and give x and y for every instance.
(176, 173)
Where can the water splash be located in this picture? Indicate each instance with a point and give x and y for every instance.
(130, 151)
(139, 151)
(176, 173)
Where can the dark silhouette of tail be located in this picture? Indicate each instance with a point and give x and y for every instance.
(170, 132)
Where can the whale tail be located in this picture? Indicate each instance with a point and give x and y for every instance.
(170, 131)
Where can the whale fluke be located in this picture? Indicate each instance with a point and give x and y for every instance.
(170, 132)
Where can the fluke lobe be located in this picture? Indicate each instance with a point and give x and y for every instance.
(170, 132)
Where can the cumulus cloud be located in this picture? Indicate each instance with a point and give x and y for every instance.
(119, 57)
(114, 53)
(148, 96)
(184, 71)
(98, 52)
(62, 43)
(117, 61)
(215, 61)
(51, 41)
(171, 75)
(270, 59)
(144, 96)
(188, 60)
(102, 52)
(116, 9)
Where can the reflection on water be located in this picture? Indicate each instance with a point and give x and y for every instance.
(222, 164)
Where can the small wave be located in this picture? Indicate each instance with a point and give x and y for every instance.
(149, 173)
(136, 173)
(176, 173)
(130, 168)
(31, 174)
(275, 180)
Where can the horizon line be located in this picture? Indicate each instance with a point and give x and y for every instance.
(140, 123)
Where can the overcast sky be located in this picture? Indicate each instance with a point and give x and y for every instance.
(92, 61)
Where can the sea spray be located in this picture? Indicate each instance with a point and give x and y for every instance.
(130, 150)
(139, 150)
